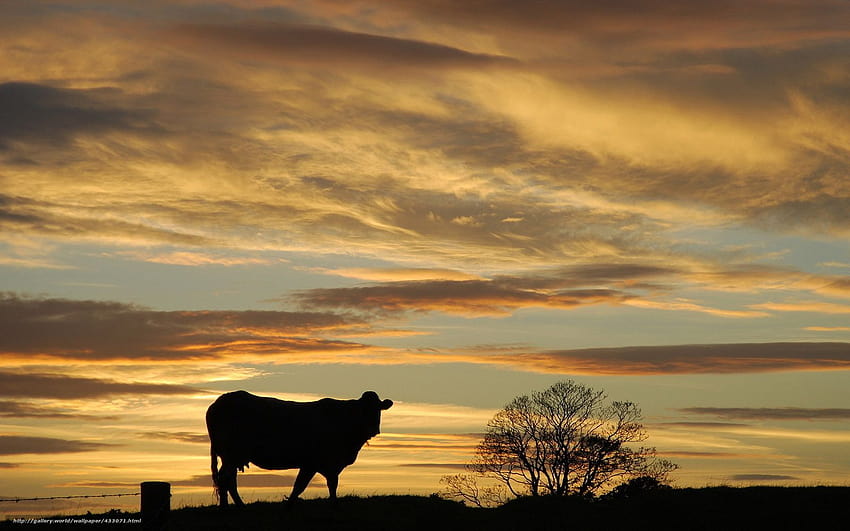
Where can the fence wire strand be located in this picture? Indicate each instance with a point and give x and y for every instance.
(16, 500)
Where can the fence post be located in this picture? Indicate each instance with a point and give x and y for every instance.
(155, 504)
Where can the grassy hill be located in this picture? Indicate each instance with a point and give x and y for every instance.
(715, 508)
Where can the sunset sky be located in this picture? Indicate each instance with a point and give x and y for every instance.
(450, 203)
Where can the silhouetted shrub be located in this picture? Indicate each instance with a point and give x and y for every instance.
(638, 486)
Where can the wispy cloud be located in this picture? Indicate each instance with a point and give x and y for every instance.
(87, 330)
(91, 330)
(21, 445)
(688, 306)
(195, 258)
(839, 265)
(473, 298)
(810, 306)
(782, 413)
(638, 285)
(440, 466)
(428, 441)
(763, 433)
(715, 455)
(17, 409)
(763, 477)
(564, 288)
(401, 274)
(666, 359)
(34, 385)
(177, 436)
(314, 46)
(44, 114)
(56, 221)
(700, 425)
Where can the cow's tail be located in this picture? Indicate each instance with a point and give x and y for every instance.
(214, 468)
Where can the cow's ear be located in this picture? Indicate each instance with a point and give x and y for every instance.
(386, 404)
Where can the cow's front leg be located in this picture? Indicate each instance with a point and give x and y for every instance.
(301, 482)
(235, 494)
(228, 485)
(222, 479)
(332, 479)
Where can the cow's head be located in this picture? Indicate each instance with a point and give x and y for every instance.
(372, 406)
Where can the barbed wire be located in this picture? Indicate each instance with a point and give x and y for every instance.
(16, 500)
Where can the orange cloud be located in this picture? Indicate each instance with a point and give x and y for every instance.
(687, 306)
(18, 409)
(564, 288)
(765, 413)
(194, 258)
(89, 330)
(20, 445)
(810, 306)
(664, 24)
(470, 298)
(763, 477)
(759, 432)
(672, 359)
(401, 274)
(715, 455)
(58, 329)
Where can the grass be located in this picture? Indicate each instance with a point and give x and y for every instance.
(710, 508)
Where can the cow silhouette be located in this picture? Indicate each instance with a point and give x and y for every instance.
(322, 437)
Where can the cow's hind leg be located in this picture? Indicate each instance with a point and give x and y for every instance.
(301, 482)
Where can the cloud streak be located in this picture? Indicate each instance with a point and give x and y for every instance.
(62, 329)
(564, 288)
(714, 455)
(92, 330)
(178, 436)
(21, 445)
(33, 385)
(15, 409)
(663, 24)
(764, 413)
(636, 285)
(316, 45)
(471, 298)
(666, 359)
(44, 114)
(763, 477)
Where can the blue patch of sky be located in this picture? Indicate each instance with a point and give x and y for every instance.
(807, 253)
(100, 273)
(606, 326)
(659, 396)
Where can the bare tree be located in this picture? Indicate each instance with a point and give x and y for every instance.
(566, 440)
(466, 488)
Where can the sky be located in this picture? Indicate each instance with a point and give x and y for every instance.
(450, 203)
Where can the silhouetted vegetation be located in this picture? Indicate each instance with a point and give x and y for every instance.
(563, 441)
(712, 508)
